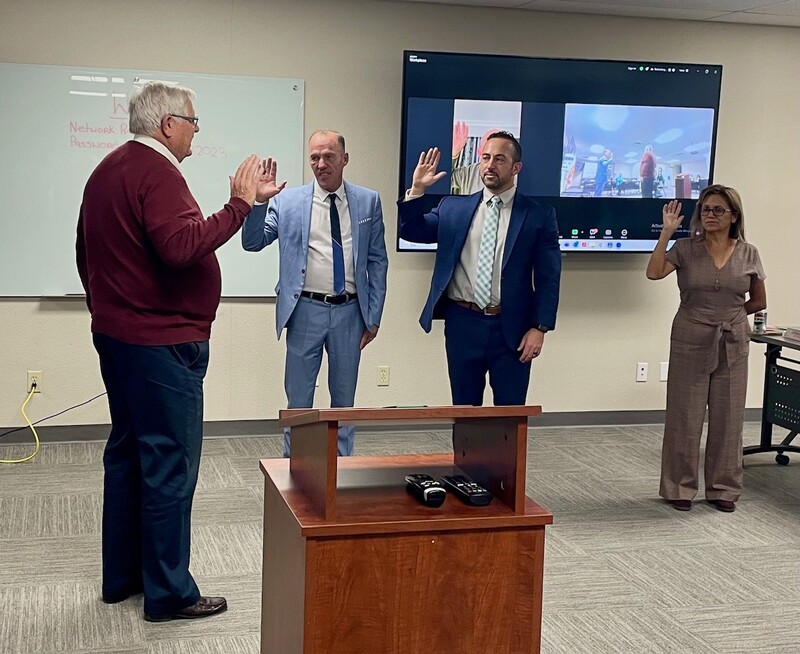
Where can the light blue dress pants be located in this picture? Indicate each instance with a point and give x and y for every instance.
(313, 326)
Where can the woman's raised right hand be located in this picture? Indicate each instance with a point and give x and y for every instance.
(672, 216)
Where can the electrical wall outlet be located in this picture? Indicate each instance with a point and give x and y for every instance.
(34, 381)
(664, 373)
(641, 372)
(383, 375)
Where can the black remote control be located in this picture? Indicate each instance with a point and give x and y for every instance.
(467, 490)
(426, 489)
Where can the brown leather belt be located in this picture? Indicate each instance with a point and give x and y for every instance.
(488, 311)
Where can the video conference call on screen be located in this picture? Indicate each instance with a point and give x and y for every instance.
(604, 142)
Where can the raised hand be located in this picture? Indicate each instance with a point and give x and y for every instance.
(460, 136)
(425, 174)
(243, 183)
(268, 186)
(671, 216)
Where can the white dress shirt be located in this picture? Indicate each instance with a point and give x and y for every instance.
(158, 146)
(319, 265)
(462, 285)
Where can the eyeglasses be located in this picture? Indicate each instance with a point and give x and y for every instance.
(192, 119)
(717, 211)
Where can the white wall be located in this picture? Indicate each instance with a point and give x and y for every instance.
(349, 54)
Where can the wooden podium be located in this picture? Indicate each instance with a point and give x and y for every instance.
(353, 564)
(683, 186)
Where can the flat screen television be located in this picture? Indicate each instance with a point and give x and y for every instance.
(606, 143)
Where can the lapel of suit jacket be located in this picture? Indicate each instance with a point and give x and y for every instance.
(518, 213)
(355, 214)
(308, 197)
(463, 221)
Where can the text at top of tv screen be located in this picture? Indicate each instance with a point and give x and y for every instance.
(604, 142)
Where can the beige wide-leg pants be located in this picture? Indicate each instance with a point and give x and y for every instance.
(689, 391)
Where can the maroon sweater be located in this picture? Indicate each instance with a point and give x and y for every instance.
(145, 253)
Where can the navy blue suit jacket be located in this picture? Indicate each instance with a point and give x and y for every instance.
(531, 269)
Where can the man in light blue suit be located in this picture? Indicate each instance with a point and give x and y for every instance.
(332, 282)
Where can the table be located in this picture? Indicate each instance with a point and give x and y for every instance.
(781, 396)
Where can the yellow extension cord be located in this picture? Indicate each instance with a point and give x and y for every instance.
(33, 429)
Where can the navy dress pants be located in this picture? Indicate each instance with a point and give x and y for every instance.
(151, 461)
(475, 346)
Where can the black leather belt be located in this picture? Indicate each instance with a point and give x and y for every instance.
(329, 299)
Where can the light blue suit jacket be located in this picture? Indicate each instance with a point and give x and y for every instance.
(287, 218)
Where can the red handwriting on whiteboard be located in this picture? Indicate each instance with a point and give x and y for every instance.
(215, 151)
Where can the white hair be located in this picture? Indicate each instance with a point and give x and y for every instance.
(151, 102)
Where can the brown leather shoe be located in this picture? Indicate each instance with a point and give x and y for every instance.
(203, 608)
(724, 505)
(681, 505)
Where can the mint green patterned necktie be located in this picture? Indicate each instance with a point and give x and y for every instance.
(483, 280)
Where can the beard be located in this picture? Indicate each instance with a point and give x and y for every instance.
(494, 182)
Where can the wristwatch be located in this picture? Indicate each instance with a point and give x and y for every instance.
(542, 328)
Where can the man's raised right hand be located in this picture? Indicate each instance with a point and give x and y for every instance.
(425, 174)
(268, 186)
(243, 183)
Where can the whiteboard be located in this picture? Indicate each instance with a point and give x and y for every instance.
(58, 122)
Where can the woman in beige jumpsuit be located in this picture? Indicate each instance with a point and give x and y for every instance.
(721, 281)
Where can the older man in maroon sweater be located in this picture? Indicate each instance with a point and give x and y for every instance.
(145, 255)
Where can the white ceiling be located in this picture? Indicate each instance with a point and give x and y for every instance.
(754, 12)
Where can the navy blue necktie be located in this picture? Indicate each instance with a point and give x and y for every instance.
(338, 251)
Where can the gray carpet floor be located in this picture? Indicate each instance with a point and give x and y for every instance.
(624, 572)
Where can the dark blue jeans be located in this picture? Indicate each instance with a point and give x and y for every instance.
(151, 461)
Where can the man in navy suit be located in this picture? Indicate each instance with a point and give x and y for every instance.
(496, 275)
(332, 282)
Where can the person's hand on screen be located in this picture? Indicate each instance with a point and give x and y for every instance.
(460, 136)
(671, 215)
(268, 186)
(425, 174)
(244, 182)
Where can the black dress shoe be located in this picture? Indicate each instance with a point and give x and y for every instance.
(724, 505)
(202, 608)
(681, 505)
